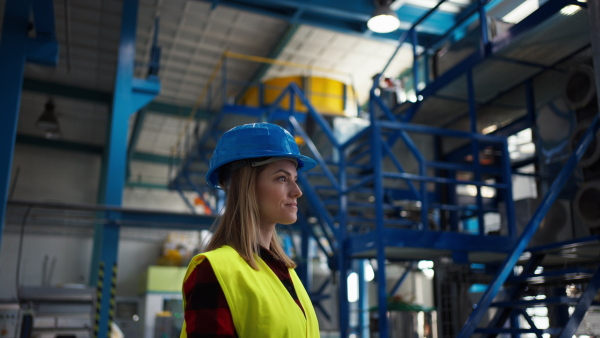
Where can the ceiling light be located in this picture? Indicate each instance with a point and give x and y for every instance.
(489, 129)
(383, 20)
(521, 11)
(570, 10)
(48, 122)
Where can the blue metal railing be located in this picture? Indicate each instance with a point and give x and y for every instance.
(338, 183)
(528, 232)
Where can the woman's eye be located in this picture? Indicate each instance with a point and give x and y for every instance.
(283, 179)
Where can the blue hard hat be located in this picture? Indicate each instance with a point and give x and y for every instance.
(255, 140)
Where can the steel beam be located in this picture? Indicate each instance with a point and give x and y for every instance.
(435, 240)
(16, 47)
(584, 302)
(57, 89)
(59, 144)
(348, 17)
(135, 136)
(377, 161)
(130, 95)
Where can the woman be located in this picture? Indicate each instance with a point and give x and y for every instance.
(245, 285)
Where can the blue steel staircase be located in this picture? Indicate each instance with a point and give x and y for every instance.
(521, 290)
(513, 304)
(380, 194)
(357, 215)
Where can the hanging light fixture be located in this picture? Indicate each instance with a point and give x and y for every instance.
(383, 19)
(48, 122)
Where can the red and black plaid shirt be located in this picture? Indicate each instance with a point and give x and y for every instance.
(207, 313)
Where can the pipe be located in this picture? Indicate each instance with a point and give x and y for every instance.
(580, 86)
(585, 204)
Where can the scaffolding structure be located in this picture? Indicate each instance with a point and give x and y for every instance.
(382, 195)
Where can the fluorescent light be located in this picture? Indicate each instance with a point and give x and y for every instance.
(521, 12)
(570, 10)
(425, 265)
(489, 129)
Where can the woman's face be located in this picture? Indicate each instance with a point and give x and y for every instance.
(277, 192)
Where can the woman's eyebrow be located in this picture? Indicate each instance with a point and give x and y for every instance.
(283, 171)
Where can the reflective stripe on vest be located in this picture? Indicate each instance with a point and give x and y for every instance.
(260, 304)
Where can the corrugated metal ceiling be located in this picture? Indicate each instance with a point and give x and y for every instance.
(193, 35)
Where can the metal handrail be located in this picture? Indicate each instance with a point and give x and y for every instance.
(528, 232)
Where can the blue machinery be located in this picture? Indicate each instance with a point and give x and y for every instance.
(361, 194)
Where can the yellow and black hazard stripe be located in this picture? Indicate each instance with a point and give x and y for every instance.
(113, 292)
(99, 298)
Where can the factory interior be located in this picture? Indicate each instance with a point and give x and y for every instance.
(457, 186)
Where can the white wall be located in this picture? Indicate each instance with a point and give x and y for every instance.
(155, 199)
(71, 256)
(53, 175)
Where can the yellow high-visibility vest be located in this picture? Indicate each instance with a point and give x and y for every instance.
(259, 303)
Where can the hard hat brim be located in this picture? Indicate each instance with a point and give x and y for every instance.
(304, 163)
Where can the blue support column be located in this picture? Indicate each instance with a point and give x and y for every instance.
(514, 323)
(475, 150)
(415, 69)
(133, 140)
(15, 49)
(343, 259)
(130, 95)
(12, 62)
(305, 268)
(363, 300)
(376, 160)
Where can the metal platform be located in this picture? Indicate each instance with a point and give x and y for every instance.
(543, 53)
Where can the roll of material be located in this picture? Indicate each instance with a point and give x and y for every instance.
(592, 154)
(580, 86)
(586, 204)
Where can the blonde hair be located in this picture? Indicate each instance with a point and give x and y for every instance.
(239, 226)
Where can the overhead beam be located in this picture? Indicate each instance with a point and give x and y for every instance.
(155, 158)
(145, 185)
(92, 149)
(57, 89)
(348, 17)
(102, 97)
(179, 111)
(59, 144)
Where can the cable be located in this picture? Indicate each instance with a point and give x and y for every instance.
(20, 251)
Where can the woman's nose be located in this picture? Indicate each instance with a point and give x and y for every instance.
(296, 192)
